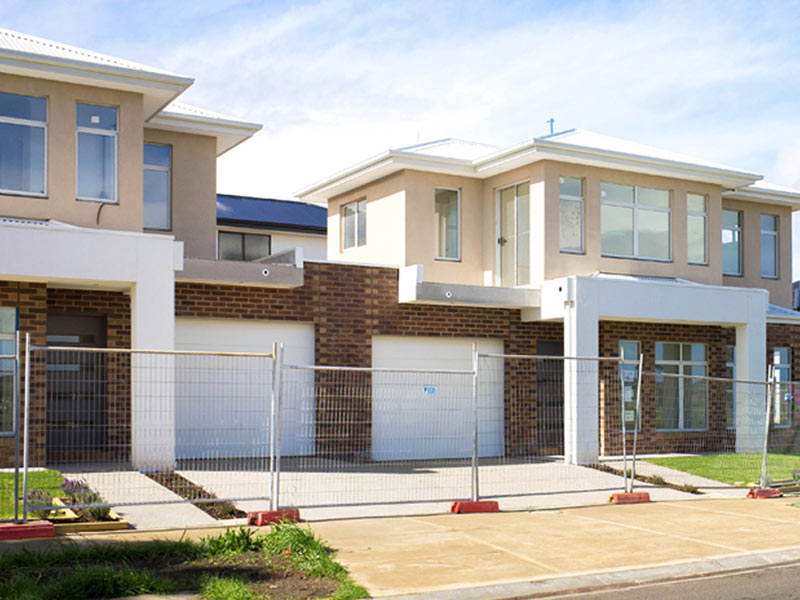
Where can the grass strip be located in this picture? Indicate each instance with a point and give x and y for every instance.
(733, 469)
(47, 480)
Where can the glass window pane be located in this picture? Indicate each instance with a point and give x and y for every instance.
(570, 186)
(349, 233)
(96, 117)
(18, 106)
(696, 352)
(156, 199)
(6, 396)
(8, 320)
(667, 398)
(96, 164)
(696, 238)
(629, 350)
(523, 234)
(617, 230)
(780, 356)
(446, 211)
(695, 203)
(361, 208)
(571, 225)
(508, 232)
(156, 155)
(22, 158)
(668, 351)
(255, 246)
(769, 255)
(730, 354)
(653, 234)
(614, 192)
(651, 197)
(769, 223)
(230, 246)
(731, 252)
(694, 400)
(731, 218)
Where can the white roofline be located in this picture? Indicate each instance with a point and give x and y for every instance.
(768, 196)
(229, 133)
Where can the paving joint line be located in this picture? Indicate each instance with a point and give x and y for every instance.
(735, 514)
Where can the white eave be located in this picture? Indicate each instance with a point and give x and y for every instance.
(516, 156)
(767, 194)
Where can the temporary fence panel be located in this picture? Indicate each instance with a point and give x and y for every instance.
(340, 408)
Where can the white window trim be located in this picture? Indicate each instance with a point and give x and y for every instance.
(356, 242)
(636, 208)
(732, 366)
(31, 123)
(777, 396)
(96, 131)
(737, 229)
(579, 199)
(681, 364)
(695, 213)
(147, 167)
(777, 246)
(458, 220)
(498, 228)
(13, 339)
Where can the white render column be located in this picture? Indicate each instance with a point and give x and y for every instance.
(581, 382)
(750, 399)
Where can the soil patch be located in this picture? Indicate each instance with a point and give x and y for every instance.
(655, 480)
(191, 491)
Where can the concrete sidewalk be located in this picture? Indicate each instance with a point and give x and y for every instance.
(504, 555)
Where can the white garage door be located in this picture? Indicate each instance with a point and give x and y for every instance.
(222, 404)
(430, 416)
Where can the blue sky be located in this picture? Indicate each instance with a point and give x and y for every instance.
(336, 82)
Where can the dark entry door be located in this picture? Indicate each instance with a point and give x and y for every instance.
(550, 398)
(76, 388)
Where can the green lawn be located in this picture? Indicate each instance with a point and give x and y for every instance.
(737, 469)
(43, 480)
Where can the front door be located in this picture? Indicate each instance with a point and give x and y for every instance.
(513, 240)
(76, 388)
(550, 398)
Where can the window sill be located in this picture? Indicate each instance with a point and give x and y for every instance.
(739, 275)
(577, 252)
(638, 258)
(770, 277)
(23, 194)
(698, 264)
(445, 259)
(681, 430)
(97, 200)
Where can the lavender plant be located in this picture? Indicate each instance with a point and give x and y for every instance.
(37, 497)
(74, 488)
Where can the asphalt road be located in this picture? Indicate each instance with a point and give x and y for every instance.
(780, 582)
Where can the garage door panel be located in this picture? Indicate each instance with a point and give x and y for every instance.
(222, 404)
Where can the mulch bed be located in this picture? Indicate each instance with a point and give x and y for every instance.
(191, 491)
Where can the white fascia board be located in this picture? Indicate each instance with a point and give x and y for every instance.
(765, 197)
(229, 133)
(158, 89)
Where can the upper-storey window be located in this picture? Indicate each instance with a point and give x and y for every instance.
(232, 245)
(769, 246)
(635, 222)
(354, 224)
(697, 228)
(97, 152)
(731, 242)
(570, 210)
(23, 140)
(157, 205)
(447, 208)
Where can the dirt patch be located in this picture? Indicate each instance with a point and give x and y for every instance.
(191, 491)
(656, 481)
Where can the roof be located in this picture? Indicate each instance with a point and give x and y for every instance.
(767, 193)
(782, 314)
(270, 213)
(480, 161)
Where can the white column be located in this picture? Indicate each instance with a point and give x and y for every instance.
(750, 399)
(153, 375)
(581, 382)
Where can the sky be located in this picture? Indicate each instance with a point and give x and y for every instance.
(336, 82)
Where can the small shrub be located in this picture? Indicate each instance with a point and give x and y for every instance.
(96, 513)
(233, 541)
(37, 497)
(657, 480)
(74, 488)
(690, 489)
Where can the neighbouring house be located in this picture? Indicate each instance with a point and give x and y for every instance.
(575, 244)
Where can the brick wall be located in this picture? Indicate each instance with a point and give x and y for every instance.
(786, 336)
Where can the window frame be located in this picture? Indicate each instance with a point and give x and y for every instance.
(499, 233)
(739, 229)
(30, 123)
(682, 377)
(168, 170)
(241, 235)
(779, 394)
(636, 207)
(96, 131)
(570, 198)
(436, 223)
(11, 336)
(704, 215)
(357, 242)
(776, 241)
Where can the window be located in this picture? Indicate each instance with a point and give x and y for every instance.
(447, 208)
(629, 351)
(157, 204)
(696, 228)
(635, 222)
(782, 406)
(23, 143)
(731, 242)
(97, 152)
(8, 325)
(769, 246)
(570, 210)
(681, 402)
(354, 224)
(242, 246)
(514, 234)
(730, 394)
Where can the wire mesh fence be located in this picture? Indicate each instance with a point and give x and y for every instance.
(10, 482)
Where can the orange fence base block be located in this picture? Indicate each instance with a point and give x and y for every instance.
(26, 531)
(629, 497)
(764, 493)
(482, 506)
(259, 518)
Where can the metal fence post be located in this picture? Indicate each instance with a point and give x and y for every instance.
(770, 399)
(475, 357)
(637, 419)
(622, 418)
(26, 434)
(279, 420)
(16, 425)
(272, 401)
